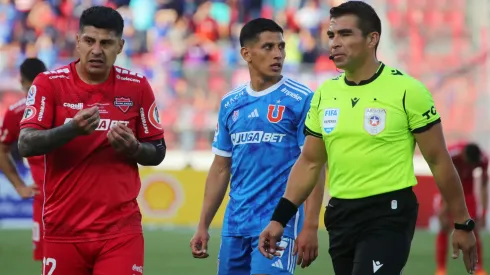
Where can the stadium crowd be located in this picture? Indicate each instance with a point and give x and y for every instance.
(189, 49)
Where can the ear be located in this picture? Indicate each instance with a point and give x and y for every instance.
(373, 39)
(121, 45)
(246, 55)
(78, 41)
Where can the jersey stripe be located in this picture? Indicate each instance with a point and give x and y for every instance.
(299, 85)
(235, 91)
(295, 89)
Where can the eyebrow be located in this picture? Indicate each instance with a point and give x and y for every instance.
(341, 31)
(282, 43)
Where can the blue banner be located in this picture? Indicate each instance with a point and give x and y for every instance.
(12, 206)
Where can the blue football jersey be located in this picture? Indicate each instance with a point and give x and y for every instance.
(262, 132)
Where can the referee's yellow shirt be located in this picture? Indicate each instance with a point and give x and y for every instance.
(368, 131)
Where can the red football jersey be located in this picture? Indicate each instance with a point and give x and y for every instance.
(9, 133)
(465, 170)
(90, 189)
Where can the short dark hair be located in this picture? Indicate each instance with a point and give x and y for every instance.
(31, 67)
(102, 18)
(368, 18)
(473, 153)
(252, 29)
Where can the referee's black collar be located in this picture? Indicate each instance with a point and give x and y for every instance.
(366, 81)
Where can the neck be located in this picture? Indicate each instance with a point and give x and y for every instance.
(363, 71)
(88, 78)
(261, 83)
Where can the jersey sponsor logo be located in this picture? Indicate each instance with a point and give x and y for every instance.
(31, 95)
(429, 113)
(105, 124)
(143, 121)
(256, 137)
(74, 106)
(137, 268)
(125, 78)
(123, 103)
(275, 116)
(41, 110)
(374, 120)
(235, 116)
(29, 113)
(330, 119)
(354, 101)
(291, 94)
(233, 99)
(154, 116)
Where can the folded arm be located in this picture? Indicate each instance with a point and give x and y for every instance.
(34, 142)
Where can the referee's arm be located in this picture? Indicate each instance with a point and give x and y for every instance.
(306, 171)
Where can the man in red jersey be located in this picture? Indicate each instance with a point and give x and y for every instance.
(95, 123)
(9, 130)
(466, 158)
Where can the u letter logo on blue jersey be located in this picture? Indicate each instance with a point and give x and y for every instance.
(274, 117)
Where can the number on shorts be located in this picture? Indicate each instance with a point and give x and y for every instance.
(49, 262)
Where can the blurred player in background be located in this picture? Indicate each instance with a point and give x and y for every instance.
(95, 123)
(258, 138)
(466, 158)
(9, 134)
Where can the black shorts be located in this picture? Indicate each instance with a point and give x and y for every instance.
(371, 235)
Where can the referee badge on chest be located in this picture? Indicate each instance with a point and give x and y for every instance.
(374, 120)
(330, 119)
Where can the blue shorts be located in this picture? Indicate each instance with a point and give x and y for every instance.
(241, 256)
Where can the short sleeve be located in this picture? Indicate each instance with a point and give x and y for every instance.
(312, 123)
(40, 105)
(420, 108)
(222, 145)
(9, 128)
(149, 126)
(301, 125)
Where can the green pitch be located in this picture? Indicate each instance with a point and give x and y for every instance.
(167, 253)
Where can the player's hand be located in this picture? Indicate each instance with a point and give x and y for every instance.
(199, 244)
(466, 242)
(86, 120)
(269, 239)
(26, 192)
(122, 139)
(306, 247)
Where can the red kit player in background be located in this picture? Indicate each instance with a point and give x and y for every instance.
(95, 123)
(9, 130)
(466, 158)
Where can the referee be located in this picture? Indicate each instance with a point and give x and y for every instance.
(368, 121)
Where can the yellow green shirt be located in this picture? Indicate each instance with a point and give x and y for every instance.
(368, 131)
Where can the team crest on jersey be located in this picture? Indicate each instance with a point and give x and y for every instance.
(235, 115)
(330, 119)
(275, 116)
(154, 116)
(31, 96)
(29, 112)
(123, 103)
(374, 120)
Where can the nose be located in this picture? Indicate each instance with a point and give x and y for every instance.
(96, 49)
(335, 43)
(278, 53)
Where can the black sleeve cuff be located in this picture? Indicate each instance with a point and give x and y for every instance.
(426, 127)
(308, 131)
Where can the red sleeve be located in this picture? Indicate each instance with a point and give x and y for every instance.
(149, 127)
(484, 167)
(39, 105)
(9, 130)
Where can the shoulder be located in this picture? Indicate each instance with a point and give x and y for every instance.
(297, 90)
(397, 77)
(331, 83)
(62, 73)
(455, 149)
(232, 97)
(17, 107)
(129, 77)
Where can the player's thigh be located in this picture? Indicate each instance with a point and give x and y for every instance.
(64, 258)
(285, 263)
(123, 256)
(234, 256)
(383, 253)
(37, 231)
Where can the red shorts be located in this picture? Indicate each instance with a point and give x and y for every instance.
(37, 229)
(123, 256)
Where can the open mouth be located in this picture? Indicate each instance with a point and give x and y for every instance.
(276, 66)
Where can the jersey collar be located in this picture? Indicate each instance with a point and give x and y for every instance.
(366, 81)
(269, 90)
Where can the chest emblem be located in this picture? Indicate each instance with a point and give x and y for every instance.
(330, 119)
(123, 103)
(374, 120)
(275, 116)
